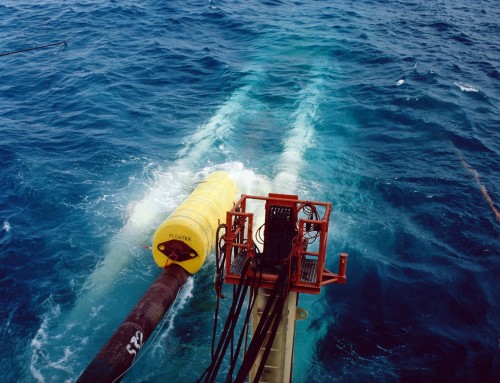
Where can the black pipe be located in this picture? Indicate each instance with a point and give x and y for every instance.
(116, 357)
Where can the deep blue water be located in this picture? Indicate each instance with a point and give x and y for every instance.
(390, 110)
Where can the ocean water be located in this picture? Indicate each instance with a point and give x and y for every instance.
(389, 110)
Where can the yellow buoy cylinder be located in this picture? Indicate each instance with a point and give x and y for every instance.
(187, 236)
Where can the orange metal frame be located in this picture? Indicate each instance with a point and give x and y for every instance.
(239, 240)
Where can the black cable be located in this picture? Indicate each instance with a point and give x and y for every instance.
(33, 48)
(259, 234)
(225, 339)
(215, 363)
(263, 327)
(219, 267)
(228, 330)
(219, 262)
(311, 232)
(276, 316)
(253, 298)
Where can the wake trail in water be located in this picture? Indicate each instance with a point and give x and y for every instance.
(51, 355)
(298, 139)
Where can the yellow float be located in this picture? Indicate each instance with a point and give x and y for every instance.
(187, 236)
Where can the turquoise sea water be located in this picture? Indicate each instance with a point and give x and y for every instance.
(390, 110)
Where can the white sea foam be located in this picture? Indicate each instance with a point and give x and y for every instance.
(247, 180)
(465, 87)
(182, 298)
(299, 138)
(218, 127)
(6, 226)
(39, 356)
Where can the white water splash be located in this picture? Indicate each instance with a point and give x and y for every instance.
(39, 342)
(465, 87)
(6, 226)
(299, 138)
